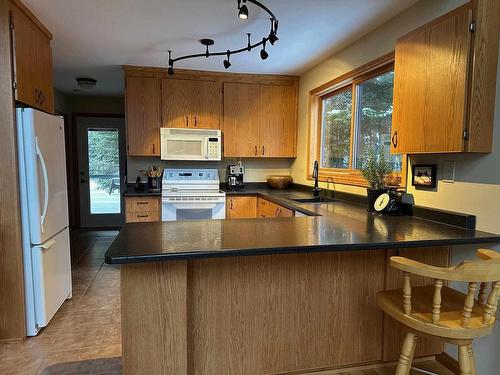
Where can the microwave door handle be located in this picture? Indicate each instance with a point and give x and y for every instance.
(206, 148)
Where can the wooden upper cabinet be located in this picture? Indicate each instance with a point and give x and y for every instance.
(259, 120)
(242, 120)
(142, 114)
(32, 55)
(278, 126)
(433, 111)
(190, 103)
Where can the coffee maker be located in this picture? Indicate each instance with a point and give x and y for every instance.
(234, 176)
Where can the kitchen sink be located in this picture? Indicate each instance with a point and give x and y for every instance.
(313, 200)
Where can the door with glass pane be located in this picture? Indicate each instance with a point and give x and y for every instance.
(101, 165)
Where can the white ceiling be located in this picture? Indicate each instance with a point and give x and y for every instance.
(95, 37)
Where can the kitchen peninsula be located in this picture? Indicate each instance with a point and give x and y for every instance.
(269, 296)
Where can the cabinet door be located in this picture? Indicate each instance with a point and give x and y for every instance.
(143, 120)
(430, 86)
(207, 105)
(24, 37)
(241, 207)
(178, 102)
(279, 126)
(242, 119)
(44, 76)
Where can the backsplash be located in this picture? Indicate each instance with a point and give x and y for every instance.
(256, 170)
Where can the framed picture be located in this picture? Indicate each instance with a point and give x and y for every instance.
(424, 175)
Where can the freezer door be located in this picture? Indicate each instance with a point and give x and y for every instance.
(51, 265)
(45, 168)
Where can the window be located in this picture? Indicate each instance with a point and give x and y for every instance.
(351, 117)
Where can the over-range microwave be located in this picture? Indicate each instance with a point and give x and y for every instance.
(190, 144)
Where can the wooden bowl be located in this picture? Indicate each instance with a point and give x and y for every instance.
(279, 182)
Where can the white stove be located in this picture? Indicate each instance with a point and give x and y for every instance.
(192, 194)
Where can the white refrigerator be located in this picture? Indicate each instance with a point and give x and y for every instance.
(44, 215)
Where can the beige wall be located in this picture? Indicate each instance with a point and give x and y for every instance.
(375, 44)
(256, 170)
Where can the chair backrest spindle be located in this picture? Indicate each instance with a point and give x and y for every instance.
(469, 304)
(483, 294)
(407, 294)
(436, 301)
(492, 303)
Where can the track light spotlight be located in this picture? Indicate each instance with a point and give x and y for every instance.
(227, 64)
(273, 38)
(242, 10)
(170, 64)
(263, 53)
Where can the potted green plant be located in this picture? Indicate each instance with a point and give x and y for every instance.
(375, 170)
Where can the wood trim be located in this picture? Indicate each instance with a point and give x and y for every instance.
(353, 74)
(351, 79)
(32, 17)
(482, 84)
(212, 76)
(449, 362)
(12, 322)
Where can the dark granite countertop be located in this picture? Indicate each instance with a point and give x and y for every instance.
(342, 226)
(131, 191)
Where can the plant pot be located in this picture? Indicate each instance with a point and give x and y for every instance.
(372, 195)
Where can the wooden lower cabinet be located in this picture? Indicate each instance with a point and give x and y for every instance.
(283, 313)
(241, 207)
(142, 209)
(266, 208)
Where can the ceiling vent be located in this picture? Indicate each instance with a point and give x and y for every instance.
(86, 83)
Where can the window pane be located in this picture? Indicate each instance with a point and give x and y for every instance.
(336, 130)
(374, 118)
(104, 171)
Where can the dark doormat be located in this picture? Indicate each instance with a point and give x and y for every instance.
(102, 366)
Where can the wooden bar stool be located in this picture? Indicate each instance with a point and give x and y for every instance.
(442, 312)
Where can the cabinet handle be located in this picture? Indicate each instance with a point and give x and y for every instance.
(42, 98)
(142, 203)
(153, 148)
(395, 139)
(142, 215)
(256, 152)
(231, 205)
(36, 96)
(187, 120)
(276, 214)
(263, 151)
(195, 121)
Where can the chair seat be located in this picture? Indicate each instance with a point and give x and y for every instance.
(420, 319)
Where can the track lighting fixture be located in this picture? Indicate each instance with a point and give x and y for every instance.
(227, 64)
(243, 14)
(242, 10)
(263, 53)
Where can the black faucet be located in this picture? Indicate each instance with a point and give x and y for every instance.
(315, 175)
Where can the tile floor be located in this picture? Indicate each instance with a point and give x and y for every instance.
(84, 338)
(87, 326)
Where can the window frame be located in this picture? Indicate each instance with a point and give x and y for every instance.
(351, 80)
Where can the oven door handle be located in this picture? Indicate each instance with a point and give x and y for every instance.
(193, 206)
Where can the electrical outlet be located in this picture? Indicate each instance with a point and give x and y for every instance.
(448, 171)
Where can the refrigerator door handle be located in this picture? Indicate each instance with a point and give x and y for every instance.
(45, 184)
(47, 245)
